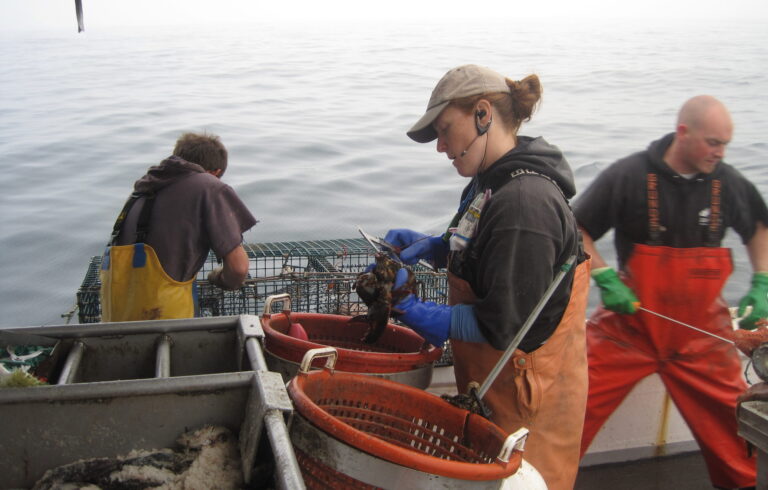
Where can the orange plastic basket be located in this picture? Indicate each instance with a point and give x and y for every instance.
(405, 426)
(398, 349)
(319, 475)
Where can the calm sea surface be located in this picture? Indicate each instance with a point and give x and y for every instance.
(315, 117)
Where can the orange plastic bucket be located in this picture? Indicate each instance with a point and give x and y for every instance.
(407, 429)
(398, 350)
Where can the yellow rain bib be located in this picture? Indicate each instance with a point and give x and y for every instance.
(134, 286)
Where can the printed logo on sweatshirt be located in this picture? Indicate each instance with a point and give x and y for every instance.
(704, 217)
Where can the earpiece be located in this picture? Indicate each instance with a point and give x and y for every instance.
(481, 130)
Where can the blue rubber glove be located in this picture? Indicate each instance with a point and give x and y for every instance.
(757, 298)
(416, 246)
(430, 320)
(436, 322)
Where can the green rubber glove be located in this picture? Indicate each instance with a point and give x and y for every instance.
(757, 298)
(615, 294)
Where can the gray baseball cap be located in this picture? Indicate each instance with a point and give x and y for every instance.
(459, 82)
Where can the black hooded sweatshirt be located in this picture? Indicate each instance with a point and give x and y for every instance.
(525, 233)
(618, 199)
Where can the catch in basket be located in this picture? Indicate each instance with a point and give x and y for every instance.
(400, 354)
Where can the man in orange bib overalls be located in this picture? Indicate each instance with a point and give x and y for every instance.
(670, 206)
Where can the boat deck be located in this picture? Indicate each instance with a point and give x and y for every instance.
(679, 472)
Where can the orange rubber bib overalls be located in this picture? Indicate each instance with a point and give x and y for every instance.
(698, 370)
(134, 285)
(544, 390)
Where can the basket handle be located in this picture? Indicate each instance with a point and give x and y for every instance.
(284, 297)
(514, 442)
(312, 354)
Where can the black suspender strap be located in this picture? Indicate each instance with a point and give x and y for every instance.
(715, 213)
(121, 218)
(142, 227)
(654, 229)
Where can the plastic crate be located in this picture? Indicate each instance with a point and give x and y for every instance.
(319, 275)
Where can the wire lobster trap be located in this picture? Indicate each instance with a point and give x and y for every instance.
(318, 275)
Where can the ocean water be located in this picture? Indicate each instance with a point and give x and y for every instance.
(314, 117)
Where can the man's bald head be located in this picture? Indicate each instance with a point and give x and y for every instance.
(704, 129)
(697, 110)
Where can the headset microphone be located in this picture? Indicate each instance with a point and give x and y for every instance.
(481, 130)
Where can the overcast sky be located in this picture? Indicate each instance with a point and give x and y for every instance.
(103, 14)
